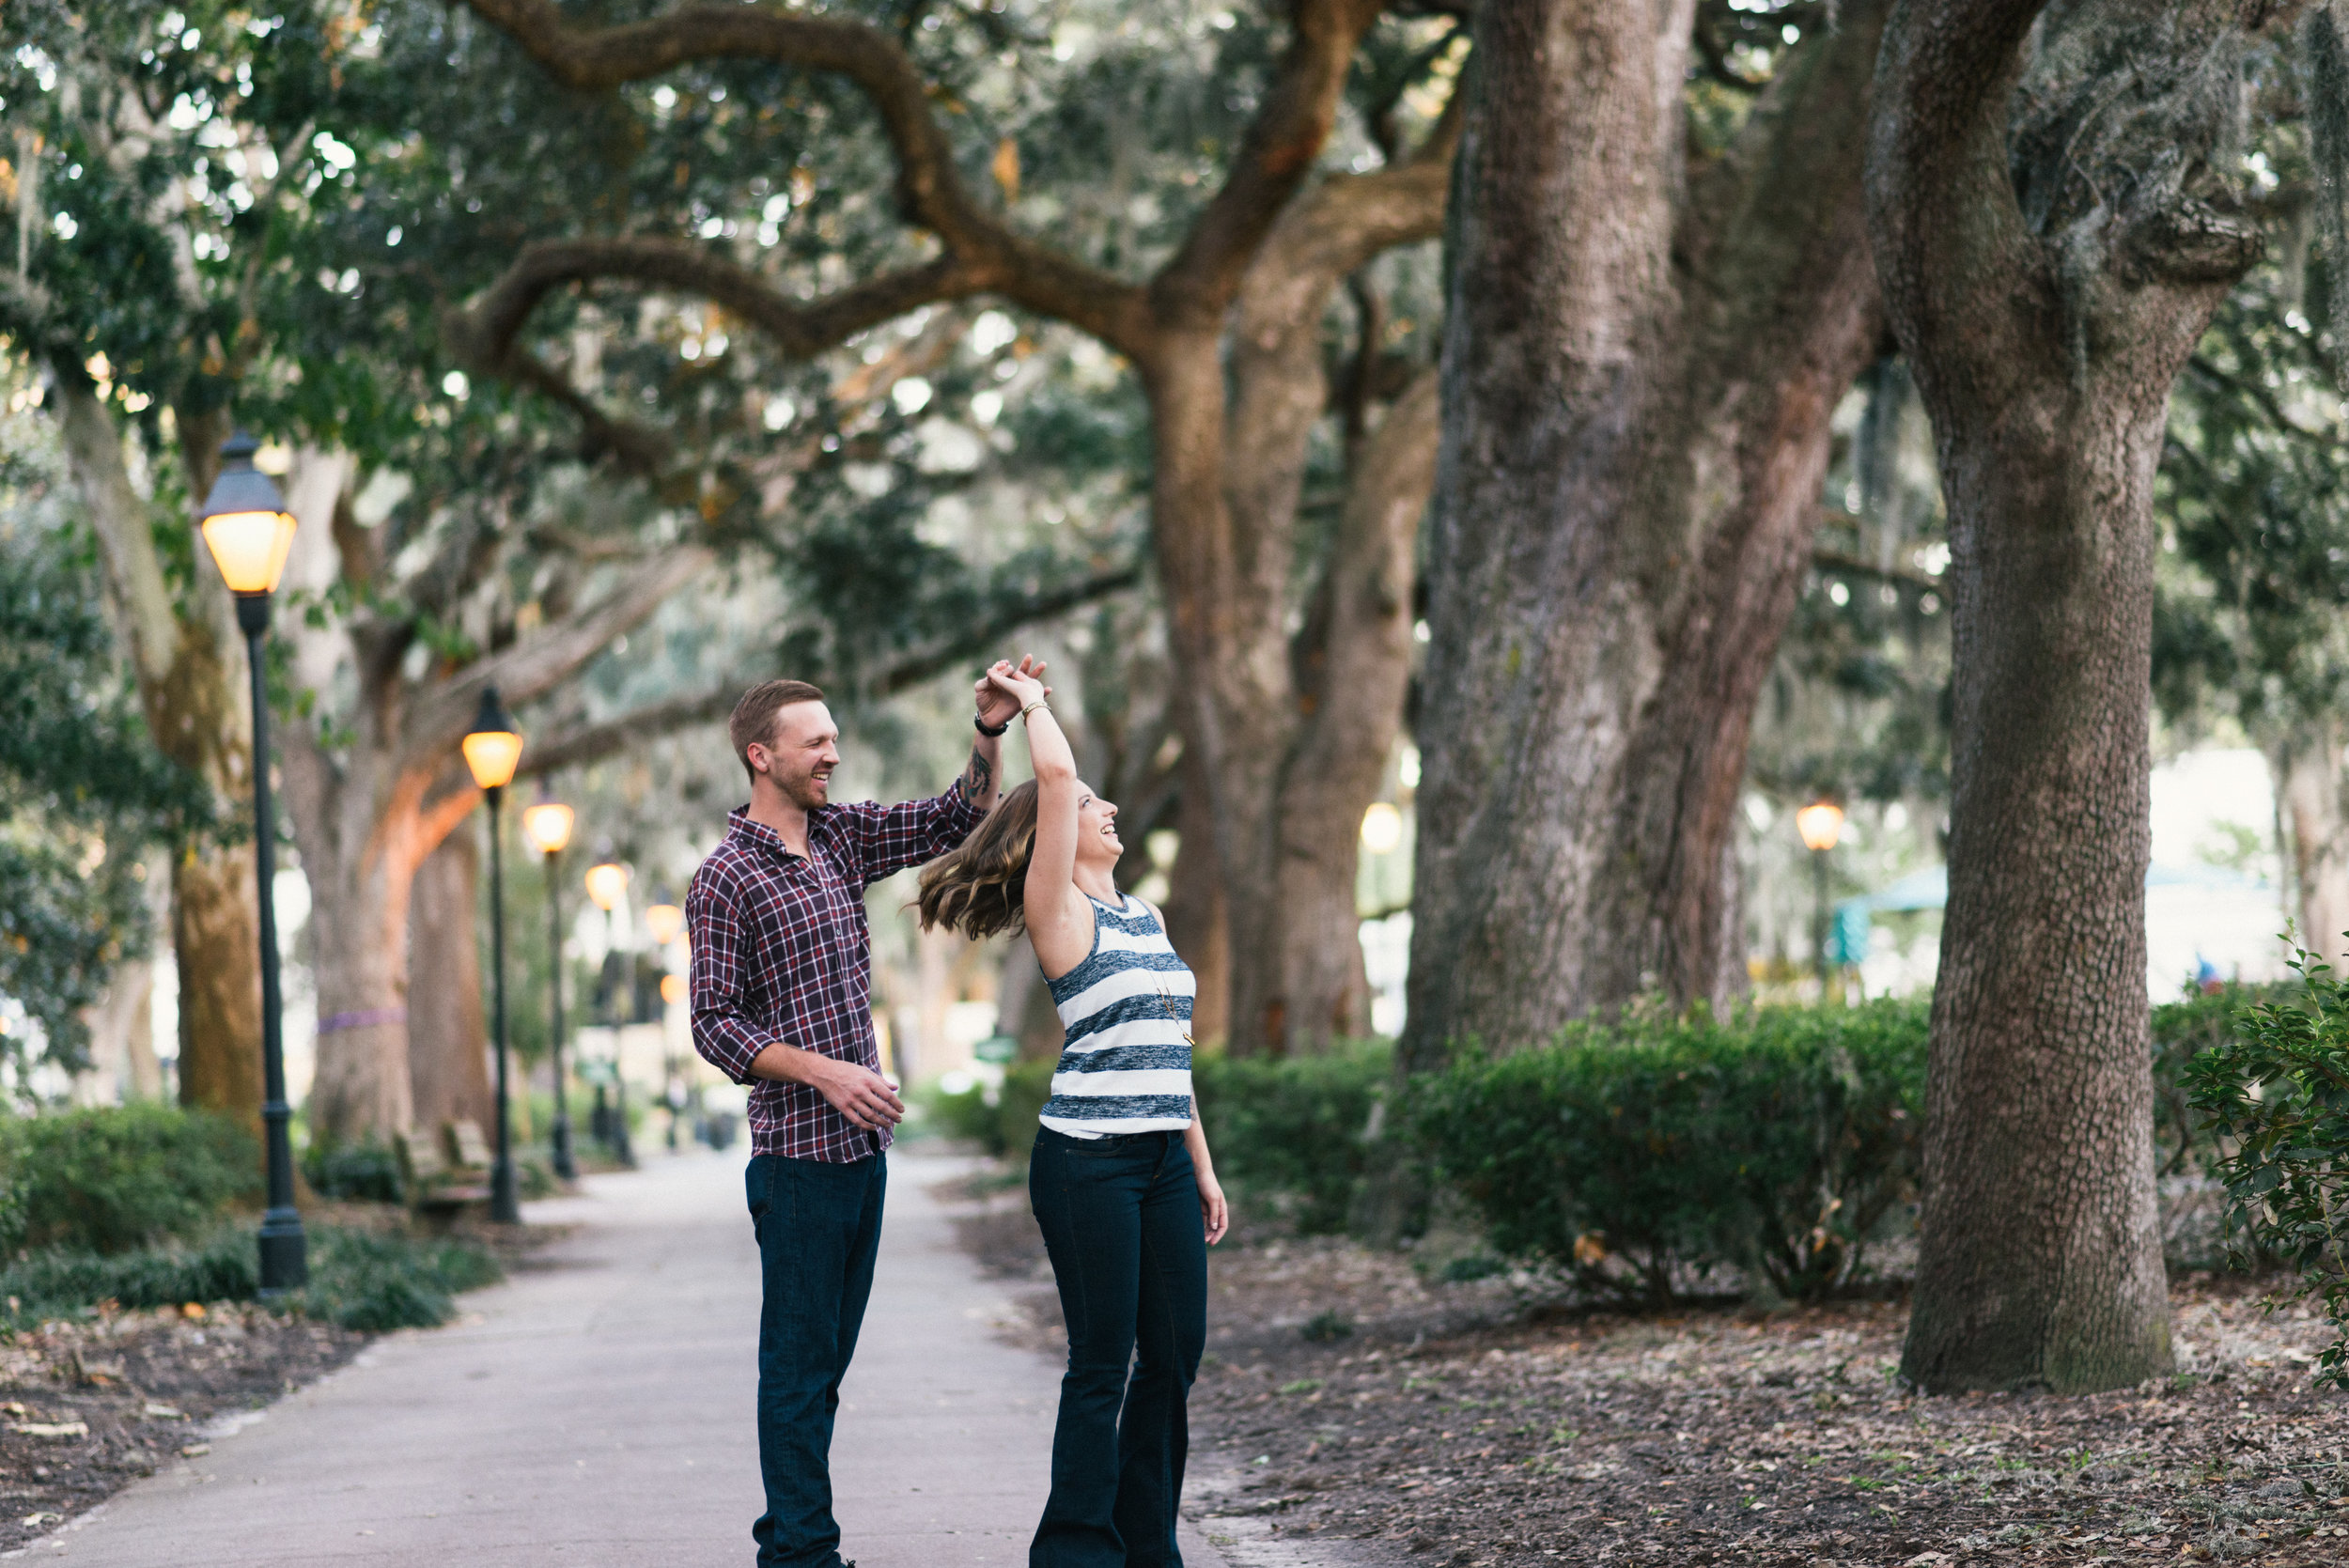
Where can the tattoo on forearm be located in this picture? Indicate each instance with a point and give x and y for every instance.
(978, 778)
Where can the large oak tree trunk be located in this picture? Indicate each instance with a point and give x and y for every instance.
(2046, 203)
(1637, 381)
(448, 1036)
(185, 655)
(1351, 699)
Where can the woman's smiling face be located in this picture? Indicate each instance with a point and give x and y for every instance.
(1096, 829)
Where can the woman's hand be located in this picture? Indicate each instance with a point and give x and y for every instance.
(999, 704)
(1213, 1211)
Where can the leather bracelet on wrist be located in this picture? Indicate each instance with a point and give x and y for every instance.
(981, 725)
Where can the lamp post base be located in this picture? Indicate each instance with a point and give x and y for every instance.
(506, 1205)
(566, 1168)
(285, 1252)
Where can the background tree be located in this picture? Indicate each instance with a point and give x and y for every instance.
(2055, 219)
(1229, 430)
(1653, 317)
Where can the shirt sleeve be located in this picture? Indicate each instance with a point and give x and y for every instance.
(890, 838)
(724, 1034)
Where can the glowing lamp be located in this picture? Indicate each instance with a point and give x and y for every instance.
(491, 746)
(1382, 828)
(547, 826)
(665, 922)
(673, 987)
(607, 884)
(244, 521)
(1820, 823)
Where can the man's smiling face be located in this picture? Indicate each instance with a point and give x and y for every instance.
(805, 750)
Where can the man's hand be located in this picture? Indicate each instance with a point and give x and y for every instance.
(863, 1096)
(996, 705)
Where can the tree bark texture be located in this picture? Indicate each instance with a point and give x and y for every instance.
(1638, 370)
(2307, 774)
(448, 1034)
(1231, 423)
(185, 655)
(2043, 195)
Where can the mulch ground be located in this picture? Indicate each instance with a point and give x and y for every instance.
(87, 1409)
(89, 1406)
(1490, 1423)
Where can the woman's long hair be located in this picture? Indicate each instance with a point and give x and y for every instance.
(980, 888)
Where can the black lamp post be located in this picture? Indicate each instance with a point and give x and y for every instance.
(548, 827)
(1821, 824)
(607, 884)
(492, 750)
(249, 533)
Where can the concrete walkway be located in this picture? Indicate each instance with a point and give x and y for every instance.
(597, 1410)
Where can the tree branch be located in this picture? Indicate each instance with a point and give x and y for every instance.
(592, 742)
(440, 716)
(982, 253)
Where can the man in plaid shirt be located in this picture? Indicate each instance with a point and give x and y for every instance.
(782, 1001)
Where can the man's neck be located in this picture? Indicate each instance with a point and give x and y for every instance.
(771, 808)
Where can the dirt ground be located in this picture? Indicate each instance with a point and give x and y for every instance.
(89, 1407)
(1492, 1423)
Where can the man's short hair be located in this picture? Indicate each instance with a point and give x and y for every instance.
(754, 721)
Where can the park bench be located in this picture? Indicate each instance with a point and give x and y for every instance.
(442, 1174)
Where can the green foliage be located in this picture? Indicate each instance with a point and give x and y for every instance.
(63, 1281)
(115, 1178)
(1328, 1327)
(82, 792)
(374, 1281)
(366, 1172)
(363, 1280)
(2276, 1093)
(966, 1115)
(1782, 1141)
(1291, 1130)
(2198, 1022)
(1026, 1087)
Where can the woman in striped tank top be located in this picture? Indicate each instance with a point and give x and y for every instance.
(1121, 1182)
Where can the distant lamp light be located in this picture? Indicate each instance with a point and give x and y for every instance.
(673, 989)
(607, 884)
(665, 922)
(492, 748)
(547, 826)
(1820, 823)
(1382, 828)
(244, 521)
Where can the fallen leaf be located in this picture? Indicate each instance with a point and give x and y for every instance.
(50, 1429)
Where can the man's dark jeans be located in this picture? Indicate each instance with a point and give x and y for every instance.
(1120, 1216)
(819, 1228)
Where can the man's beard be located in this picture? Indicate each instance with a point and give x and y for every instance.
(803, 791)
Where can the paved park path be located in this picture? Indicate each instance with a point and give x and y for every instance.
(597, 1410)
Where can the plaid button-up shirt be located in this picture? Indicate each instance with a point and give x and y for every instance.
(781, 951)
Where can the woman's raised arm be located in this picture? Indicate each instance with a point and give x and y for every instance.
(1060, 926)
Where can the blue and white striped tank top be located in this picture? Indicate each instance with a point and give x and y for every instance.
(1125, 1064)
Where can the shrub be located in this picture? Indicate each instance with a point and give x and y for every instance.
(967, 1115)
(373, 1281)
(1291, 1129)
(119, 1177)
(2276, 1093)
(57, 1282)
(365, 1173)
(1782, 1141)
(2183, 1029)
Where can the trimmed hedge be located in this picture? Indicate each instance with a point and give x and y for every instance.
(1781, 1140)
(1290, 1131)
(121, 1177)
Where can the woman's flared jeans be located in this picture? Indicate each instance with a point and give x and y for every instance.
(1120, 1216)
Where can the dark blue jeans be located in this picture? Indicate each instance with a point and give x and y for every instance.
(819, 1228)
(1120, 1216)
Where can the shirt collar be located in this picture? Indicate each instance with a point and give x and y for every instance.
(756, 834)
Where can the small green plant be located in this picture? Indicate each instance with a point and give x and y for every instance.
(2276, 1096)
(1302, 1386)
(116, 1178)
(1328, 1327)
(364, 1173)
(373, 1281)
(58, 1283)
(1477, 1266)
